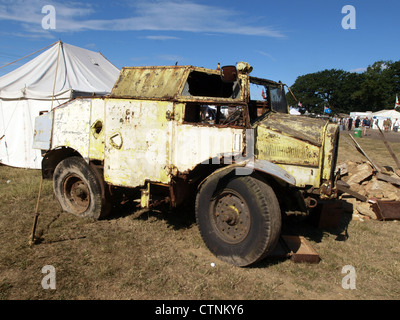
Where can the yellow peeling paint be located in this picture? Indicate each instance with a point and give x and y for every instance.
(97, 130)
(144, 129)
(304, 147)
(276, 147)
(330, 148)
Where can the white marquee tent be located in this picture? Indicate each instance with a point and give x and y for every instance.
(57, 75)
(383, 115)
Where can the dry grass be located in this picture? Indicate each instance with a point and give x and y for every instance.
(161, 254)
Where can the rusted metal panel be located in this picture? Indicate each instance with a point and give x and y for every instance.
(147, 141)
(149, 82)
(278, 147)
(296, 248)
(172, 83)
(298, 145)
(387, 210)
(304, 176)
(71, 126)
(273, 170)
(302, 128)
(97, 130)
(286, 139)
(137, 142)
(300, 250)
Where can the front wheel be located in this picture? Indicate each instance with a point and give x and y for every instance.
(239, 218)
(78, 189)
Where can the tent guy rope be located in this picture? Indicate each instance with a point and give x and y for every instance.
(10, 63)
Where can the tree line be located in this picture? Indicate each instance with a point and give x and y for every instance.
(343, 92)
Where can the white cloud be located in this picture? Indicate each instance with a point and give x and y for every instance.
(358, 70)
(161, 38)
(172, 15)
(31, 11)
(266, 54)
(170, 57)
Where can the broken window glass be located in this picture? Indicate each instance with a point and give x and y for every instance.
(201, 84)
(214, 114)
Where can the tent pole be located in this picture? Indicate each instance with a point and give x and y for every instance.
(32, 238)
(55, 76)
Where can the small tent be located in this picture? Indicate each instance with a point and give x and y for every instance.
(382, 115)
(294, 111)
(57, 75)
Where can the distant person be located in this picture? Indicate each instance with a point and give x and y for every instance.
(341, 123)
(387, 125)
(357, 122)
(366, 123)
(396, 125)
(349, 124)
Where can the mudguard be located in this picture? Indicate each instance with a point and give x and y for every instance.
(248, 166)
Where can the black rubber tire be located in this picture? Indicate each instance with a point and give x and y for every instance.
(78, 190)
(264, 222)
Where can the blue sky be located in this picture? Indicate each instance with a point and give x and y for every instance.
(280, 39)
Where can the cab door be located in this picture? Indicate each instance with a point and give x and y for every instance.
(137, 142)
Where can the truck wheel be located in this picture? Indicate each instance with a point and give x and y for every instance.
(239, 218)
(78, 190)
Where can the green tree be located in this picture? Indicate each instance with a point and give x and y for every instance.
(304, 89)
(332, 88)
(393, 76)
(346, 98)
(375, 91)
(344, 92)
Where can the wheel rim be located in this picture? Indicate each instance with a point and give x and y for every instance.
(76, 193)
(230, 216)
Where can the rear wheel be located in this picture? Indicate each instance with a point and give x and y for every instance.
(79, 190)
(239, 218)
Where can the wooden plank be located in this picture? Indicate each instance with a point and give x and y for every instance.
(387, 178)
(353, 193)
(358, 147)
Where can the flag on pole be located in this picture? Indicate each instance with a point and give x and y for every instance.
(327, 110)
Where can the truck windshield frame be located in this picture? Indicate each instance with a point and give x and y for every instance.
(278, 99)
(274, 97)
